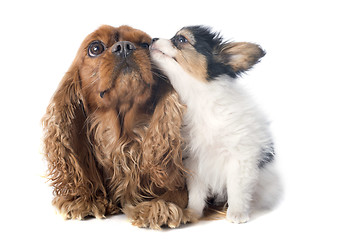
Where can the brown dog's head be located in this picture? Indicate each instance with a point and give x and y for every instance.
(114, 68)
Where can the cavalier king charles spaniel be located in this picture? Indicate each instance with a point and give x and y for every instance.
(112, 134)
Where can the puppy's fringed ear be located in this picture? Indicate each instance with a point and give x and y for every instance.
(239, 56)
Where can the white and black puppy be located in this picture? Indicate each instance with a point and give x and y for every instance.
(228, 144)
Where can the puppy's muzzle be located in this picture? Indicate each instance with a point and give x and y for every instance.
(123, 48)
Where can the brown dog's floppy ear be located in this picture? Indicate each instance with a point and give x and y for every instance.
(239, 56)
(71, 166)
(162, 146)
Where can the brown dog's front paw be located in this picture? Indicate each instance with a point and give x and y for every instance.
(79, 207)
(158, 213)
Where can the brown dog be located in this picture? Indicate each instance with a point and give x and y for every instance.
(112, 134)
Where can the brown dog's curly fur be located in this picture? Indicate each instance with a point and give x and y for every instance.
(112, 136)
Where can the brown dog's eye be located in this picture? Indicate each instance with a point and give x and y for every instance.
(96, 48)
(144, 45)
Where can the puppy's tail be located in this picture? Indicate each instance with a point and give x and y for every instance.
(269, 189)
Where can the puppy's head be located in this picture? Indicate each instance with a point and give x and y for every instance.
(203, 53)
(114, 68)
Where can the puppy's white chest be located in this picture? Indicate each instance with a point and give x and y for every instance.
(208, 155)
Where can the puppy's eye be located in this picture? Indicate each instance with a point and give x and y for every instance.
(144, 45)
(181, 39)
(96, 48)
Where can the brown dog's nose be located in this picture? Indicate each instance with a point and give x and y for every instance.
(123, 48)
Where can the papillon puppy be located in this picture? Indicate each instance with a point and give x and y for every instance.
(229, 148)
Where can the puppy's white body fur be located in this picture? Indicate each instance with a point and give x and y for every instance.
(225, 135)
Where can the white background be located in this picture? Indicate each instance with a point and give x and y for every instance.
(295, 83)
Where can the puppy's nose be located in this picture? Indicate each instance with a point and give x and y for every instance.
(154, 40)
(123, 48)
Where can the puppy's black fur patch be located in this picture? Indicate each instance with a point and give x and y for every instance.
(267, 156)
(219, 53)
(208, 43)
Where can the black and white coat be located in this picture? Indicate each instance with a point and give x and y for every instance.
(229, 147)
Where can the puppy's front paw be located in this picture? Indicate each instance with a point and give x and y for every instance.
(237, 216)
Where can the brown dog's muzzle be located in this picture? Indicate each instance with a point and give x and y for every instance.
(123, 48)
